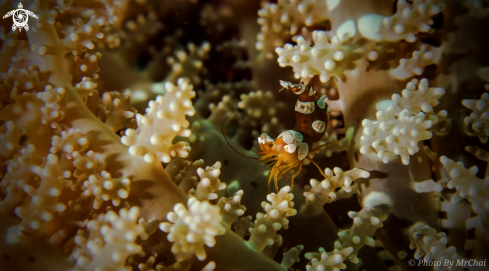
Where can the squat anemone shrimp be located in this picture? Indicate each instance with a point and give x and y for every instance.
(292, 147)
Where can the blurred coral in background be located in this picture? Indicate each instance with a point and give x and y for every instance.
(127, 128)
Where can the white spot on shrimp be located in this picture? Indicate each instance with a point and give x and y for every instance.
(302, 151)
(319, 126)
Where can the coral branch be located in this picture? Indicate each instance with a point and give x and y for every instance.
(108, 241)
(404, 24)
(432, 246)
(281, 20)
(326, 191)
(164, 119)
(42, 203)
(414, 65)
(231, 208)
(478, 120)
(266, 226)
(191, 229)
(326, 59)
(467, 184)
(209, 182)
(390, 136)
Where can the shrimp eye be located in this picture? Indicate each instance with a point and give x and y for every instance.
(290, 148)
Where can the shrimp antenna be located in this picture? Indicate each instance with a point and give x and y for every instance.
(324, 145)
(224, 135)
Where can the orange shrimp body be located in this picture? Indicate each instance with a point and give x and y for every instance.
(293, 146)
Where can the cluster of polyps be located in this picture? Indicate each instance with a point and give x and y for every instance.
(421, 99)
(325, 58)
(209, 182)
(402, 125)
(322, 260)
(281, 20)
(324, 192)
(69, 142)
(478, 120)
(431, 245)
(108, 240)
(191, 229)
(104, 188)
(390, 136)
(280, 206)
(52, 111)
(404, 24)
(467, 184)
(42, 202)
(164, 119)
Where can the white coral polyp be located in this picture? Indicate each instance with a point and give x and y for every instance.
(69, 141)
(409, 19)
(325, 58)
(209, 182)
(42, 204)
(259, 105)
(333, 260)
(52, 111)
(280, 20)
(191, 229)
(232, 208)
(478, 121)
(430, 245)
(325, 191)
(278, 207)
(389, 136)
(104, 188)
(163, 121)
(400, 127)
(414, 65)
(422, 99)
(108, 241)
(86, 87)
(467, 184)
